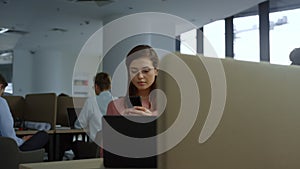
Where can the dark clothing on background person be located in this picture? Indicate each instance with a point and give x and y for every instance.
(37, 141)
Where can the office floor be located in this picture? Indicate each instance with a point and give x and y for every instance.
(69, 155)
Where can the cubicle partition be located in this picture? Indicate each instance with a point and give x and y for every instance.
(16, 105)
(248, 114)
(64, 102)
(41, 108)
(34, 107)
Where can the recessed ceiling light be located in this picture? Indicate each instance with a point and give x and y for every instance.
(58, 30)
(3, 30)
(193, 20)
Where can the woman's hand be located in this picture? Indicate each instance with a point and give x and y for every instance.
(138, 111)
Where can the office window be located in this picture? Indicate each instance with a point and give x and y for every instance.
(188, 42)
(246, 38)
(284, 35)
(214, 39)
(6, 60)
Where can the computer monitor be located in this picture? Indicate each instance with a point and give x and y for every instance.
(72, 116)
(115, 127)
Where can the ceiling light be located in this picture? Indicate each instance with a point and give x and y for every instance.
(3, 30)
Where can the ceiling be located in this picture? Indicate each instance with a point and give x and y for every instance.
(53, 23)
(275, 5)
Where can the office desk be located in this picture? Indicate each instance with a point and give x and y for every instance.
(51, 153)
(25, 132)
(30, 132)
(95, 163)
(68, 131)
(72, 164)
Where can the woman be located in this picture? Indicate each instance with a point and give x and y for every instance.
(142, 68)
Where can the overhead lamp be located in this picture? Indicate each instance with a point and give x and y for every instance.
(3, 30)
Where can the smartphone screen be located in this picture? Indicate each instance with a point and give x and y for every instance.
(134, 101)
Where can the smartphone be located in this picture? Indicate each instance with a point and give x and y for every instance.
(135, 101)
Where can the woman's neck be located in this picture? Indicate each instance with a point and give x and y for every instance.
(144, 94)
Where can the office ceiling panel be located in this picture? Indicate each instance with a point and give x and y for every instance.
(47, 22)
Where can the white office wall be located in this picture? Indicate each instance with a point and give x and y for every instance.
(49, 68)
(44, 71)
(88, 63)
(22, 72)
(47, 65)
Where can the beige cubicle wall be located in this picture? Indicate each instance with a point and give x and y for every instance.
(64, 102)
(258, 128)
(16, 105)
(41, 107)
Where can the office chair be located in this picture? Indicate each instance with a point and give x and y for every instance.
(11, 156)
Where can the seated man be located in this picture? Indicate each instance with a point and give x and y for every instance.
(91, 115)
(26, 143)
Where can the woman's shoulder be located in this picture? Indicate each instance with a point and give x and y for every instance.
(118, 101)
(116, 106)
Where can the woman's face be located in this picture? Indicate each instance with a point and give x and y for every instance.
(142, 73)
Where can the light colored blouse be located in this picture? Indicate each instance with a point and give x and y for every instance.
(116, 107)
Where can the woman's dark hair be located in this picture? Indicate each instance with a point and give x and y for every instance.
(3, 81)
(103, 81)
(138, 52)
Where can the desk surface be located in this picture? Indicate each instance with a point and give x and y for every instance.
(30, 132)
(95, 163)
(59, 131)
(71, 131)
